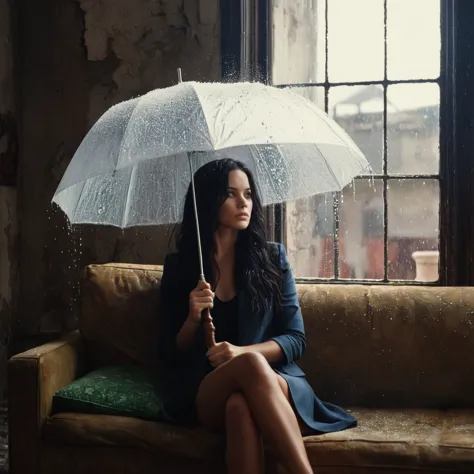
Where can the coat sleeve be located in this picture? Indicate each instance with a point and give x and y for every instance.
(173, 312)
(292, 337)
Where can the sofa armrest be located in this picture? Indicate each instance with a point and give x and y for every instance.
(33, 378)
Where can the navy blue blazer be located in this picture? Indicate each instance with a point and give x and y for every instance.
(283, 325)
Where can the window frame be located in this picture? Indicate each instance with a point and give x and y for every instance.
(252, 45)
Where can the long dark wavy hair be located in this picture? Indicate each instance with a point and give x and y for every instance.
(255, 270)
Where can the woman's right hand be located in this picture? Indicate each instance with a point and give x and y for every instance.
(200, 298)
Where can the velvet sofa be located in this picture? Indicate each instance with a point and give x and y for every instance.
(400, 358)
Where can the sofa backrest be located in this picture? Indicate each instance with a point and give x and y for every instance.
(119, 313)
(366, 345)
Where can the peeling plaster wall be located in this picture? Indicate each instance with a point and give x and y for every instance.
(149, 40)
(8, 194)
(91, 55)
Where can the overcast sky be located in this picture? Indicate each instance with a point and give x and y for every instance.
(356, 46)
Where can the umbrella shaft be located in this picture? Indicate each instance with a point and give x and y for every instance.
(209, 329)
(201, 267)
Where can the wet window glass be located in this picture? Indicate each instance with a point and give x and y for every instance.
(373, 66)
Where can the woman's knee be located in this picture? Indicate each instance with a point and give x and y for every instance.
(236, 408)
(254, 367)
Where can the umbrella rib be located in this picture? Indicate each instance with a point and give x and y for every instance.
(80, 198)
(328, 167)
(176, 196)
(126, 130)
(213, 146)
(270, 180)
(329, 122)
(128, 201)
(178, 203)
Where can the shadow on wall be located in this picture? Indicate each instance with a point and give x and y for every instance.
(75, 247)
(104, 52)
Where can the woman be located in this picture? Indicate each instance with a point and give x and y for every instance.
(246, 385)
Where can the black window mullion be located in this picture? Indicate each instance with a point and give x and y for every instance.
(336, 211)
(388, 82)
(397, 176)
(385, 154)
(264, 55)
(458, 178)
(456, 145)
(448, 260)
(335, 195)
(231, 39)
(326, 59)
(264, 47)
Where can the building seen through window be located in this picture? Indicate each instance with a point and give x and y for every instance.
(374, 66)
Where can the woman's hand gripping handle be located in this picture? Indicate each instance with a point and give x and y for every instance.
(201, 301)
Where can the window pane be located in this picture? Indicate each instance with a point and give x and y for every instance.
(361, 236)
(355, 40)
(359, 111)
(309, 236)
(413, 129)
(314, 94)
(310, 254)
(413, 222)
(299, 49)
(413, 39)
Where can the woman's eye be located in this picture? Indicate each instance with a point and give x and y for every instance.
(230, 193)
(248, 196)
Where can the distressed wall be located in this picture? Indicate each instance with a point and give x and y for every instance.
(8, 191)
(92, 54)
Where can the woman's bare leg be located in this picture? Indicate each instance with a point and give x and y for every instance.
(250, 374)
(244, 443)
(304, 429)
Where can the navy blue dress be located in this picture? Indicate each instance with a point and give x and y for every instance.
(225, 317)
(236, 323)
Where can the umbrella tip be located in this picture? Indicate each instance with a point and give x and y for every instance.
(180, 77)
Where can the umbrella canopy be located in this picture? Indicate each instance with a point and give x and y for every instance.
(132, 168)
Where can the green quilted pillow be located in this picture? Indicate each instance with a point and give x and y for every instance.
(118, 390)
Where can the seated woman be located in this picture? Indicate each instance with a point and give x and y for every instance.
(247, 384)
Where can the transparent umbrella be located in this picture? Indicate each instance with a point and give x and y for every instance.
(133, 167)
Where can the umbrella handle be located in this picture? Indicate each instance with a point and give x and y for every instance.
(209, 328)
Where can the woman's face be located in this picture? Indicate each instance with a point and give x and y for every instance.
(236, 210)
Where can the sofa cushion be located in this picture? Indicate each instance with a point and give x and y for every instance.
(418, 440)
(73, 429)
(114, 390)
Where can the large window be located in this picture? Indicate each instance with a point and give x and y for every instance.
(391, 73)
(374, 66)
